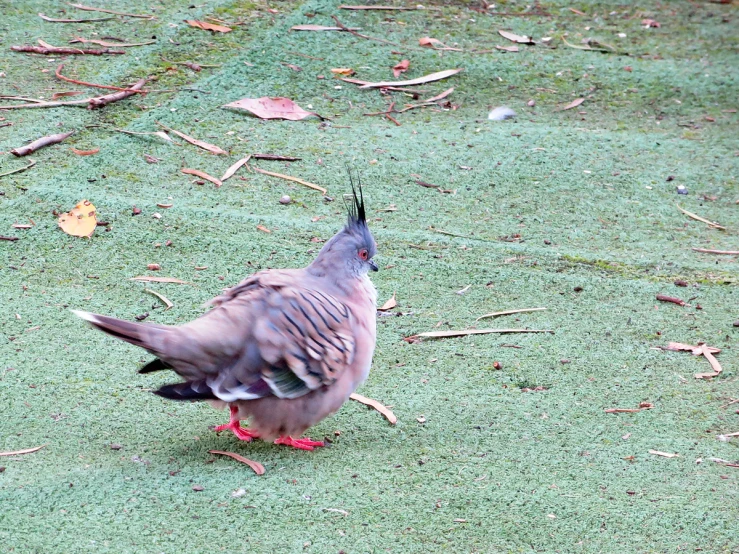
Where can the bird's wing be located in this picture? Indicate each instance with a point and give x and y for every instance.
(268, 336)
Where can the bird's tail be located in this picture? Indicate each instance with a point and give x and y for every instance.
(145, 335)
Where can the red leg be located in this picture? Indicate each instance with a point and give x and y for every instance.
(302, 444)
(234, 425)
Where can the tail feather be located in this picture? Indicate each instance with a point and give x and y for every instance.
(190, 390)
(155, 365)
(145, 335)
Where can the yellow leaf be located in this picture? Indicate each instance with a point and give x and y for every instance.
(80, 221)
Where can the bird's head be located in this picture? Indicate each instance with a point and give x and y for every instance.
(349, 252)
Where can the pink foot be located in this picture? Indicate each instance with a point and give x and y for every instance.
(302, 444)
(234, 425)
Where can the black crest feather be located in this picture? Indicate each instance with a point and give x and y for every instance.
(357, 214)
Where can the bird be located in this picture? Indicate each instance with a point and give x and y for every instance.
(284, 348)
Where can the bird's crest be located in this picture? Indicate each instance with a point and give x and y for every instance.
(357, 215)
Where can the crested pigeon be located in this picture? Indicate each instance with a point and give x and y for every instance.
(284, 348)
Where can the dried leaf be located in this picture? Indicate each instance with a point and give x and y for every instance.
(650, 23)
(465, 332)
(390, 416)
(272, 108)
(401, 67)
(664, 454)
(431, 77)
(507, 48)
(58, 95)
(510, 312)
(516, 38)
(290, 178)
(574, 104)
(80, 221)
(167, 301)
(256, 466)
(234, 168)
(85, 152)
(389, 305)
(702, 219)
(151, 279)
(263, 229)
(208, 26)
(212, 148)
(203, 175)
(438, 97)
(19, 452)
(431, 42)
(347, 71)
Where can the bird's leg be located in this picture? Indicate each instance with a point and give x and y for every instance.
(302, 444)
(235, 425)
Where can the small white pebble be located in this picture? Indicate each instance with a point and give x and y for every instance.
(622, 35)
(156, 216)
(285, 199)
(338, 87)
(238, 492)
(531, 103)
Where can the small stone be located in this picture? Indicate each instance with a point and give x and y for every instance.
(285, 199)
(681, 283)
(577, 289)
(198, 488)
(154, 267)
(531, 103)
(736, 323)
(670, 178)
(2, 468)
(168, 243)
(682, 189)
(142, 317)
(116, 446)
(136, 211)
(497, 365)
(564, 361)
(547, 241)
(501, 113)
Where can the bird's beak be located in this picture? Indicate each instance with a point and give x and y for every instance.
(373, 265)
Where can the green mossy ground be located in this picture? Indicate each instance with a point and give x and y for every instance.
(585, 188)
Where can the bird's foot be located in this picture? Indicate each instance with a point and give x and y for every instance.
(302, 444)
(234, 426)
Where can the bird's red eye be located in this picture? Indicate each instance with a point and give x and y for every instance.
(363, 254)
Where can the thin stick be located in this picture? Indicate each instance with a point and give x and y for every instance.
(65, 50)
(356, 34)
(699, 218)
(720, 252)
(102, 101)
(445, 334)
(91, 9)
(388, 8)
(111, 44)
(59, 75)
(40, 143)
(161, 297)
(53, 20)
(11, 239)
(509, 312)
(275, 157)
(26, 451)
(29, 166)
(289, 178)
(37, 104)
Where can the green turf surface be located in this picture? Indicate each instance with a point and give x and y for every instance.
(493, 468)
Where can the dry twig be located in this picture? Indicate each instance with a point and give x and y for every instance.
(40, 143)
(25, 451)
(509, 312)
(29, 166)
(711, 224)
(720, 252)
(59, 75)
(49, 50)
(102, 101)
(289, 178)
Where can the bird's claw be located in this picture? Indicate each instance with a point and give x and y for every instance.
(302, 444)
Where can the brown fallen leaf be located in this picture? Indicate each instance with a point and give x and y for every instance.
(390, 304)
(389, 415)
(401, 67)
(431, 77)
(691, 215)
(465, 332)
(438, 97)
(291, 178)
(436, 44)
(85, 152)
(234, 168)
(58, 95)
(263, 229)
(80, 221)
(574, 104)
(202, 174)
(698, 350)
(272, 108)
(520, 39)
(347, 71)
(664, 454)
(25, 451)
(167, 301)
(153, 267)
(151, 279)
(208, 26)
(510, 312)
(256, 466)
(212, 148)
